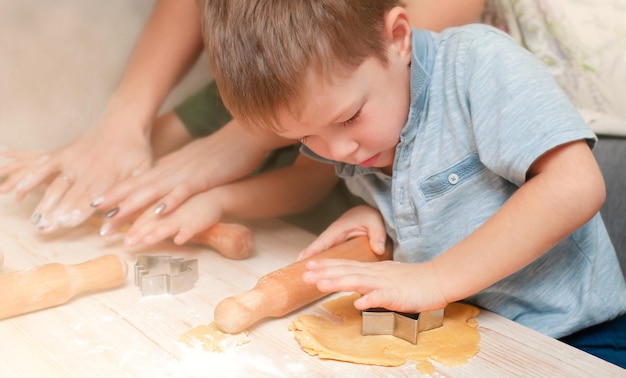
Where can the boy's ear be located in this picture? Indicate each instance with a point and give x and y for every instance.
(398, 33)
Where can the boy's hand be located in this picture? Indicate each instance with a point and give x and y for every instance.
(196, 214)
(358, 221)
(395, 286)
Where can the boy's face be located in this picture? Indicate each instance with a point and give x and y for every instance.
(355, 118)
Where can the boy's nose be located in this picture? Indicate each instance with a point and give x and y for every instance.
(342, 150)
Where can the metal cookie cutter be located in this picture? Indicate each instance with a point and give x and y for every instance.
(380, 321)
(162, 274)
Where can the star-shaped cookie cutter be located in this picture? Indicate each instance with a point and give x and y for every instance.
(380, 321)
(162, 274)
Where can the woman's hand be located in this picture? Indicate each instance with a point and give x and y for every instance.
(75, 174)
(214, 160)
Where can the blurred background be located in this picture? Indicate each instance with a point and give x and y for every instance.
(60, 60)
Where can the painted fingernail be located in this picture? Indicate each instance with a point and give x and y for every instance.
(97, 201)
(43, 224)
(104, 230)
(35, 218)
(160, 208)
(111, 213)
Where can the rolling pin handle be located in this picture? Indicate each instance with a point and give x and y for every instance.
(55, 284)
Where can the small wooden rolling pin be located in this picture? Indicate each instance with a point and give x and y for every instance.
(231, 240)
(282, 291)
(54, 284)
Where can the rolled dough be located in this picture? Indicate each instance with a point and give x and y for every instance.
(452, 344)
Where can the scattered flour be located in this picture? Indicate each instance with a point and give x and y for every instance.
(211, 339)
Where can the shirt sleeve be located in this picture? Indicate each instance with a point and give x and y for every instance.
(518, 111)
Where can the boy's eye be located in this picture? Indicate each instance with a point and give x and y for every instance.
(352, 120)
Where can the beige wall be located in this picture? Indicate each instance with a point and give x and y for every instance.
(59, 62)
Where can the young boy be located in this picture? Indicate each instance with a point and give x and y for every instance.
(476, 160)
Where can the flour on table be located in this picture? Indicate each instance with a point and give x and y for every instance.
(212, 339)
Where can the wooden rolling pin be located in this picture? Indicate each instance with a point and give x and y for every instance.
(231, 240)
(282, 291)
(54, 284)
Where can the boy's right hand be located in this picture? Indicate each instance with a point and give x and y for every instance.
(358, 221)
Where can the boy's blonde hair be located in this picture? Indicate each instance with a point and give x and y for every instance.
(262, 52)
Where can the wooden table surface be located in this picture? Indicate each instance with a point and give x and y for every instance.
(119, 333)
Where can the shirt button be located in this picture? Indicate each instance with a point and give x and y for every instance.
(453, 178)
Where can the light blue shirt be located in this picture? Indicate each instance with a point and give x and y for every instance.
(483, 110)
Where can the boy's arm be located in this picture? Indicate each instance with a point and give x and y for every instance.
(280, 192)
(565, 189)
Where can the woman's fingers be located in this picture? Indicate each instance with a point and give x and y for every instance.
(44, 218)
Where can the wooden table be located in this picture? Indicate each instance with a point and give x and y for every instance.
(119, 333)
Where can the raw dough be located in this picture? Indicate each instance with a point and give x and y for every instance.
(212, 339)
(452, 344)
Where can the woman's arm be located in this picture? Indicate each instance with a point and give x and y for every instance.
(119, 145)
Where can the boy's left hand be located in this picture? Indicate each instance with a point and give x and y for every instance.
(395, 286)
(358, 221)
(197, 214)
